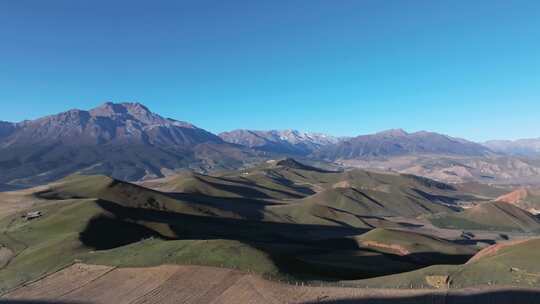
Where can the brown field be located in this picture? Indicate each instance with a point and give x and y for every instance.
(82, 283)
(61, 283)
(513, 197)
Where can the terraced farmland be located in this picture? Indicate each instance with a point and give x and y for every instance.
(195, 284)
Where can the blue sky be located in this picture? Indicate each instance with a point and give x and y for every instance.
(464, 68)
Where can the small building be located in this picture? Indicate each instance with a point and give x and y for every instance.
(32, 215)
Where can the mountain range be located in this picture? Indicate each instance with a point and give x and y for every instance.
(398, 142)
(125, 140)
(387, 143)
(114, 124)
(276, 141)
(129, 142)
(520, 147)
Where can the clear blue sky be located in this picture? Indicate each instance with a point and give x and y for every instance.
(460, 67)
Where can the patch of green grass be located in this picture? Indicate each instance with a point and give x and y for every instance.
(456, 222)
(218, 253)
(494, 216)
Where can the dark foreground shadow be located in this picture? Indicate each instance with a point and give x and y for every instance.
(503, 296)
(39, 302)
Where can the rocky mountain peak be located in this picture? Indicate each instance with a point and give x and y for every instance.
(393, 133)
(109, 123)
(125, 111)
(124, 140)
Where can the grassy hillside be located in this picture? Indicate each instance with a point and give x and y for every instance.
(227, 186)
(367, 203)
(64, 234)
(495, 216)
(485, 190)
(411, 243)
(44, 245)
(278, 220)
(513, 265)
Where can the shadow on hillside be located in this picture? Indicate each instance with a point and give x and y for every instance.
(104, 233)
(487, 297)
(237, 189)
(284, 243)
(244, 207)
(187, 226)
(290, 184)
(473, 242)
(245, 188)
(436, 198)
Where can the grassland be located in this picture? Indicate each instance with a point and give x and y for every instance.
(283, 222)
(494, 216)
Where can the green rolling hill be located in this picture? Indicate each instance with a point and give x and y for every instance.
(506, 265)
(280, 219)
(495, 216)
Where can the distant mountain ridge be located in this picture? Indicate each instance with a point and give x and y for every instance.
(397, 142)
(280, 141)
(6, 128)
(393, 142)
(520, 147)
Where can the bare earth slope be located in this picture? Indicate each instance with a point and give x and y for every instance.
(523, 198)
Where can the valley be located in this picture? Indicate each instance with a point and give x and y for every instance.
(281, 220)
